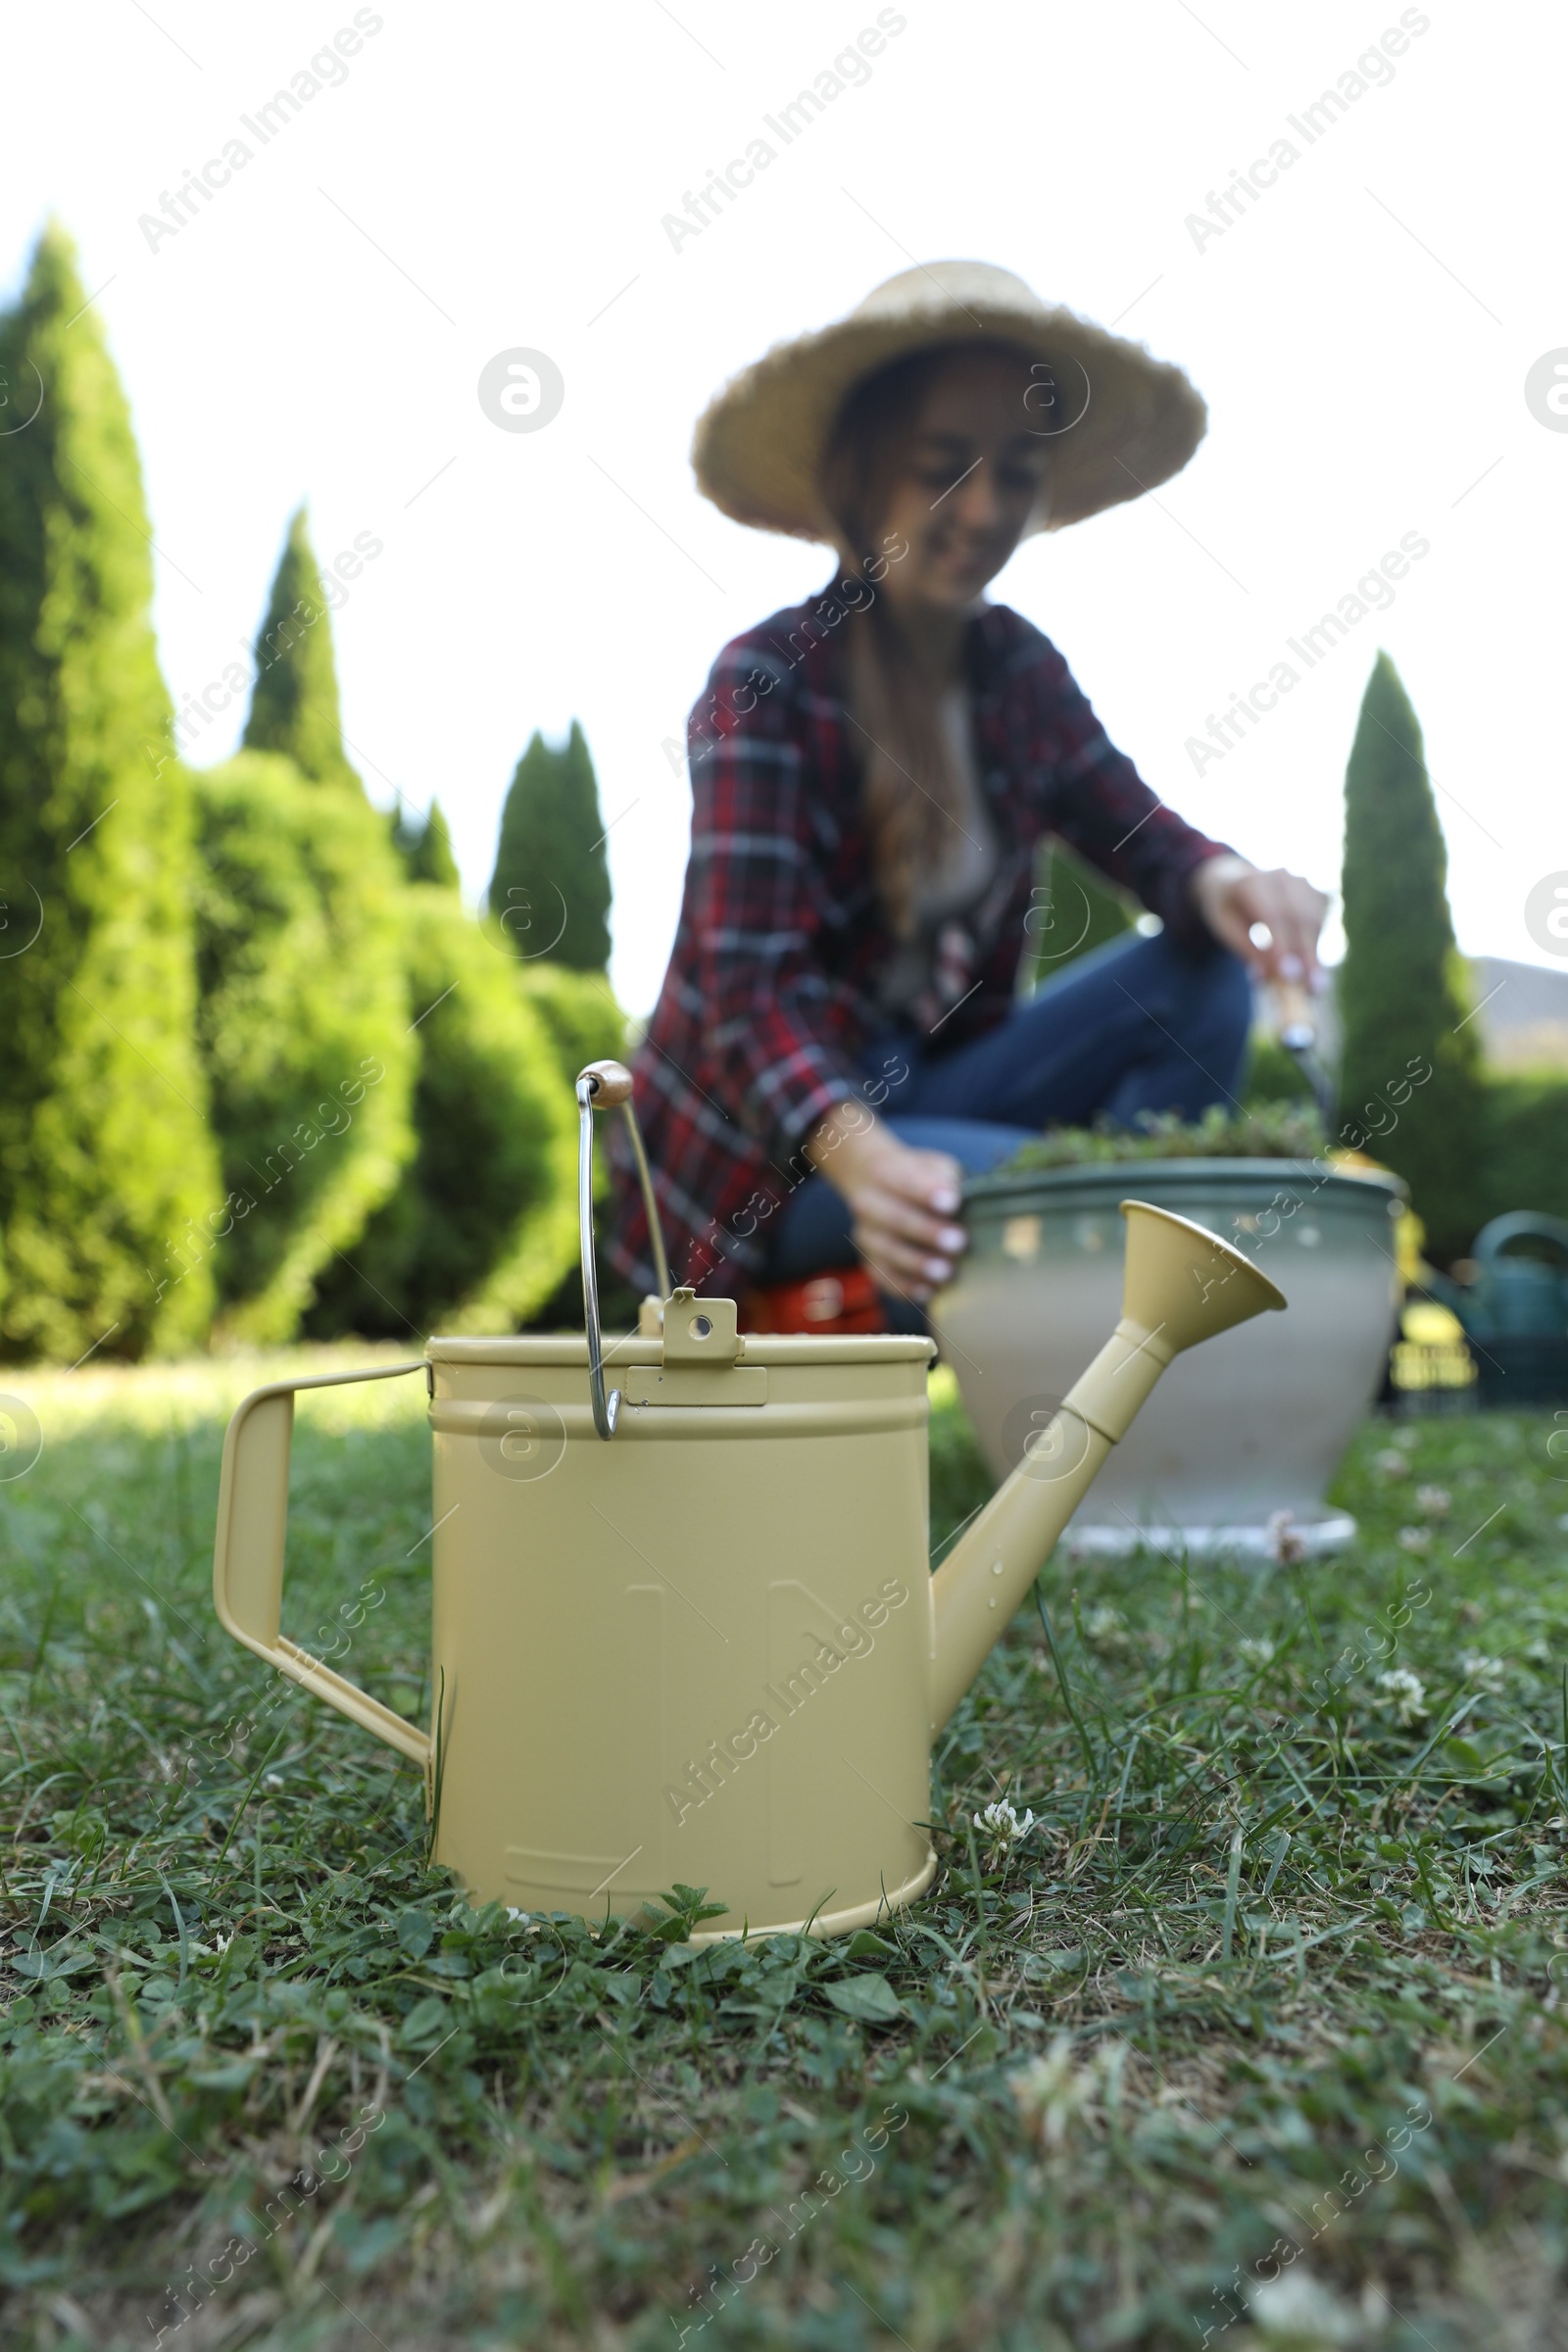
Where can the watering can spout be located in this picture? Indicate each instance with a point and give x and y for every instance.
(1181, 1285)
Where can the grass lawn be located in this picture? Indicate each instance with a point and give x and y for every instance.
(1253, 2039)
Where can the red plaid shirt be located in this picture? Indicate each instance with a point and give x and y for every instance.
(770, 994)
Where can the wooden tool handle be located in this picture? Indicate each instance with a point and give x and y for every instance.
(1298, 1021)
(608, 1082)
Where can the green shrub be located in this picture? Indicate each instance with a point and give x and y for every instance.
(1524, 1162)
(580, 1017)
(304, 1027)
(108, 1178)
(1273, 1075)
(482, 1226)
(1075, 909)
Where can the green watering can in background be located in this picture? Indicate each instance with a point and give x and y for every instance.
(1514, 1310)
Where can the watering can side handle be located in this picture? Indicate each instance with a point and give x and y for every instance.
(248, 1551)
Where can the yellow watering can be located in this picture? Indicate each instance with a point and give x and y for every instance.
(684, 1628)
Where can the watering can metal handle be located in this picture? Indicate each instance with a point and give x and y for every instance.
(248, 1553)
(603, 1085)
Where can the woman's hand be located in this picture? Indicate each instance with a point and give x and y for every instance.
(902, 1202)
(1232, 896)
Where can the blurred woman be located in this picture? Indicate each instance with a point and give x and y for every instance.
(839, 1038)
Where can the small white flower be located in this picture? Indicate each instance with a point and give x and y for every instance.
(1294, 2308)
(1001, 1824)
(1055, 2093)
(1391, 1463)
(1406, 1694)
(1415, 1539)
(1435, 1501)
(213, 1950)
(1105, 1628)
(271, 1780)
(1259, 1652)
(1488, 1673)
(1286, 1545)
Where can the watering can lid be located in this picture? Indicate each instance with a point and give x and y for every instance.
(779, 1348)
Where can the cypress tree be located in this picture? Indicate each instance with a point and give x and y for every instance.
(1403, 990)
(425, 850)
(294, 704)
(551, 888)
(107, 1182)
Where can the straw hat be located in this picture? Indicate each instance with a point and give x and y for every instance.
(1119, 421)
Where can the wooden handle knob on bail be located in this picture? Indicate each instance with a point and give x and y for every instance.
(607, 1086)
(608, 1082)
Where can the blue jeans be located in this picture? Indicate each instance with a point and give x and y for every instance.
(1141, 1024)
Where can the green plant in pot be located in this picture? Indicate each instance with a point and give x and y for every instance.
(1237, 1449)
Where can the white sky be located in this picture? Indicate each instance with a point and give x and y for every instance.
(488, 177)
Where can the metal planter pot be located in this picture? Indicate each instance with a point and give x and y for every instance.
(1240, 1430)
